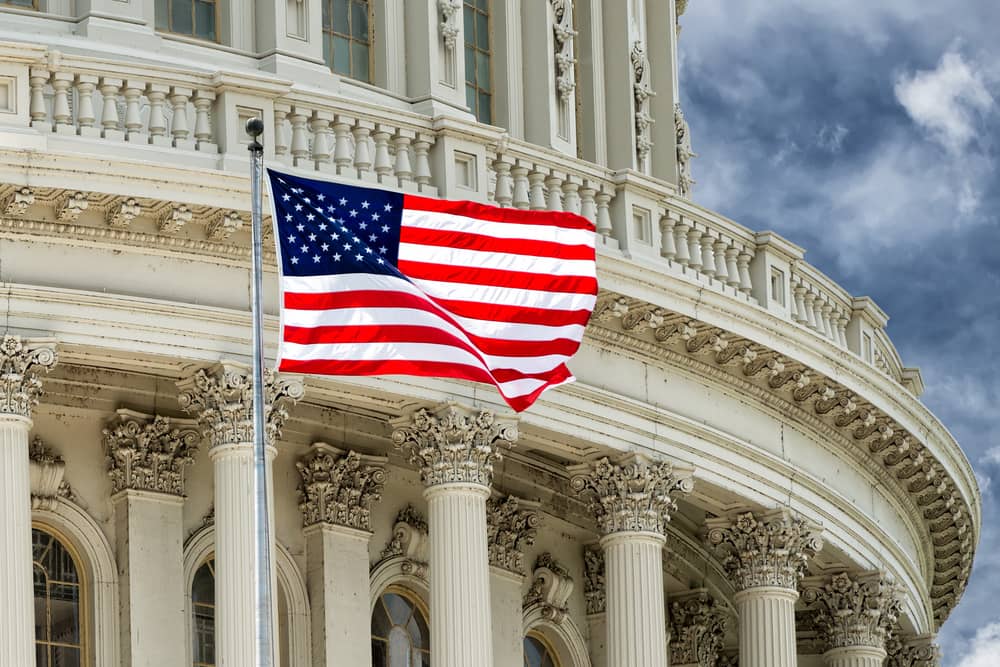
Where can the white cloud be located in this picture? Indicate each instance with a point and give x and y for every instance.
(831, 137)
(946, 101)
(985, 482)
(992, 455)
(984, 649)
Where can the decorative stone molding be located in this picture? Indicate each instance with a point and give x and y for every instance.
(511, 526)
(697, 629)
(853, 611)
(147, 453)
(771, 549)
(449, 24)
(221, 398)
(409, 542)
(684, 152)
(635, 494)
(593, 579)
(339, 487)
(121, 214)
(17, 203)
(70, 208)
(562, 28)
(20, 361)
(453, 443)
(174, 218)
(912, 652)
(728, 659)
(680, 6)
(223, 225)
(642, 90)
(551, 586)
(47, 472)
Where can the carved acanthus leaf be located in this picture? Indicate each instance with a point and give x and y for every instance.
(642, 90)
(223, 225)
(339, 488)
(147, 453)
(854, 611)
(697, 629)
(510, 529)
(551, 586)
(174, 218)
(20, 361)
(593, 582)
(121, 214)
(562, 26)
(70, 207)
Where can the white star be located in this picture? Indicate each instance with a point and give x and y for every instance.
(297, 191)
(343, 202)
(321, 197)
(316, 259)
(372, 238)
(310, 217)
(347, 246)
(358, 257)
(336, 256)
(305, 248)
(331, 208)
(298, 207)
(354, 213)
(368, 250)
(364, 204)
(344, 229)
(291, 238)
(385, 228)
(325, 247)
(381, 261)
(288, 217)
(295, 260)
(322, 226)
(306, 200)
(357, 240)
(335, 236)
(300, 227)
(312, 237)
(374, 216)
(363, 225)
(388, 207)
(383, 250)
(286, 197)
(281, 180)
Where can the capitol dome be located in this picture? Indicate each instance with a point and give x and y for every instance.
(742, 474)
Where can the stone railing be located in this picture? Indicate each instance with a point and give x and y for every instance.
(186, 117)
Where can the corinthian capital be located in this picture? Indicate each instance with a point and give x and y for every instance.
(771, 549)
(339, 487)
(221, 398)
(148, 453)
(511, 525)
(20, 361)
(635, 494)
(854, 611)
(697, 629)
(453, 443)
(912, 652)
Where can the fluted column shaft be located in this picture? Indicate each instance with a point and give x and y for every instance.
(461, 629)
(636, 621)
(17, 607)
(767, 626)
(855, 656)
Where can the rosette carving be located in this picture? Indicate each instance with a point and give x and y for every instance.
(854, 611)
(221, 397)
(510, 529)
(912, 652)
(551, 587)
(634, 495)
(697, 629)
(454, 444)
(20, 361)
(338, 487)
(593, 580)
(769, 550)
(148, 453)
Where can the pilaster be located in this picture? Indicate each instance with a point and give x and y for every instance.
(511, 525)
(435, 73)
(594, 594)
(697, 629)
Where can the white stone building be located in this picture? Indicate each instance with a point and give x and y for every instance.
(743, 473)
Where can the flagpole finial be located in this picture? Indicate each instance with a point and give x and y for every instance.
(255, 128)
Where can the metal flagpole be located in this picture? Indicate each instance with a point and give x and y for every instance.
(262, 533)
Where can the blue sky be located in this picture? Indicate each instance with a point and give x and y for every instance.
(867, 132)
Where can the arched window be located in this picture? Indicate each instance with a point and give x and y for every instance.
(478, 71)
(400, 636)
(58, 624)
(538, 653)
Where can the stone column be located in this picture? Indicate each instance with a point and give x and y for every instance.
(697, 629)
(20, 362)
(146, 456)
(632, 501)
(456, 448)
(854, 615)
(221, 398)
(511, 525)
(336, 493)
(765, 556)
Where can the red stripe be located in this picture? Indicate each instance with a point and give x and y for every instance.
(498, 277)
(484, 243)
(470, 209)
(412, 333)
(517, 314)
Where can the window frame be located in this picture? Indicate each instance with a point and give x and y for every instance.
(546, 644)
(209, 562)
(217, 4)
(34, 7)
(473, 5)
(82, 584)
(414, 599)
(350, 38)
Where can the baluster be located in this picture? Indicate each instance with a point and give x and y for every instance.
(536, 181)
(503, 192)
(521, 196)
(721, 271)
(109, 109)
(85, 117)
(553, 183)
(603, 213)
(588, 206)
(828, 331)
(732, 270)
(179, 120)
(402, 141)
(157, 95)
(799, 311)
(842, 322)
(810, 301)
(694, 248)
(281, 138)
(707, 256)
(203, 100)
(743, 268)
(668, 248)
(422, 170)
(680, 237)
(320, 126)
(300, 136)
(133, 116)
(61, 114)
(571, 195)
(362, 153)
(343, 149)
(818, 313)
(383, 161)
(39, 114)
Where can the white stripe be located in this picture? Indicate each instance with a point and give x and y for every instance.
(503, 230)
(482, 259)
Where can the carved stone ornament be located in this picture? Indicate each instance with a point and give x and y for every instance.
(510, 529)
(634, 495)
(339, 488)
(854, 611)
(70, 208)
(551, 586)
(20, 361)
(769, 550)
(409, 541)
(449, 9)
(223, 225)
(912, 652)
(697, 629)
(454, 444)
(47, 473)
(593, 579)
(684, 152)
(562, 27)
(642, 89)
(147, 453)
(174, 218)
(18, 202)
(121, 215)
(221, 398)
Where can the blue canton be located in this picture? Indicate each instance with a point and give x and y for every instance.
(328, 228)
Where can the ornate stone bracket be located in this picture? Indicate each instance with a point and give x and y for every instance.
(17, 203)
(769, 549)
(634, 494)
(221, 397)
(409, 542)
(642, 90)
(912, 652)
(697, 629)
(511, 525)
(853, 611)
(453, 443)
(448, 26)
(20, 361)
(47, 472)
(339, 487)
(148, 453)
(593, 579)
(551, 587)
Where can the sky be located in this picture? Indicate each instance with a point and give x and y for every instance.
(868, 132)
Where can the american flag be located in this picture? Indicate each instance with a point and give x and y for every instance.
(376, 282)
